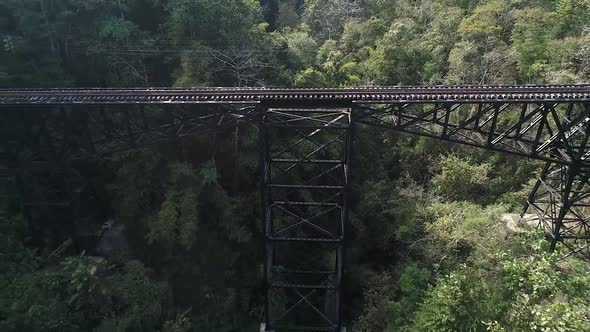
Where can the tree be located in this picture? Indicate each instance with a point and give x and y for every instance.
(79, 293)
(468, 65)
(323, 26)
(532, 30)
(573, 15)
(360, 37)
(216, 23)
(439, 39)
(194, 67)
(482, 56)
(242, 65)
(531, 293)
(398, 59)
(303, 47)
(287, 16)
(310, 78)
(461, 180)
(583, 56)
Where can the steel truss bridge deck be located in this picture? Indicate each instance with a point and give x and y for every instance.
(305, 143)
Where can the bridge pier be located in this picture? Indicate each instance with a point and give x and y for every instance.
(305, 159)
(561, 200)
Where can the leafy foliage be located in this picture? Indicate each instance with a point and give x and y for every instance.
(461, 180)
(74, 297)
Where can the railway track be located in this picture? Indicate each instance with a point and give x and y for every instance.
(156, 95)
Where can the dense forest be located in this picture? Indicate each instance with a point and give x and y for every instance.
(430, 249)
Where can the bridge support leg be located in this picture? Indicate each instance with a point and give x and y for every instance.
(561, 200)
(305, 156)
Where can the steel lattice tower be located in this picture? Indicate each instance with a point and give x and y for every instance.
(305, 155)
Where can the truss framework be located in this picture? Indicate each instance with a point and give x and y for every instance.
(69, 132)
(556, 132)
(305, 155)
(550, 131)
(561, 201)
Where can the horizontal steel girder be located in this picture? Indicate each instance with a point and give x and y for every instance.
(550, 131)
(543, 129)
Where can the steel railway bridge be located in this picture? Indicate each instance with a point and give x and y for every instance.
(305, 141)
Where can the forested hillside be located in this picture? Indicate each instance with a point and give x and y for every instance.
(429, 248)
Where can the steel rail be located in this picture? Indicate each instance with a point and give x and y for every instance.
(273, 91)
(469, 93)
(365, 88)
